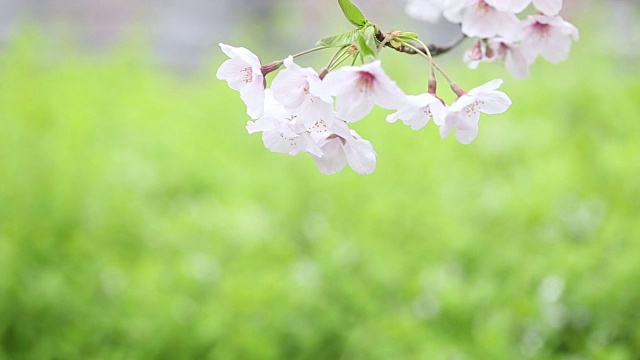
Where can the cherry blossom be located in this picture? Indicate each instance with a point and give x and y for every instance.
(483, 20)
(513, 6)
(549, 37)
(418, 110)
(296, 88)
(548, 7)
(358, 88)
(344, 146)
(500, 50)
(243, 72)
(279, 133)
(309, 111)
(464, 113)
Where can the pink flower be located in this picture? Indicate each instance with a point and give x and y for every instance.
(481, 19)
(358, 88)
(464, 113)
(500, 50)
(513, 6)
(342, 146)
(418, 110)
(279, 133)
(297, 89)
(243, 72)
(548, 36)
(548, 7)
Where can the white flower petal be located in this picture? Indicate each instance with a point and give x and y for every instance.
(334, 158)
(360, 155)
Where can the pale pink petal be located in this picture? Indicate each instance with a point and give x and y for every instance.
(353, 106)
(240, 52)
(360, 155)
(253, 97)
(333, 159)
(548, 7)
(513, 6)
(516, 63)
(466, 135)
(289, 87)
(493, 102)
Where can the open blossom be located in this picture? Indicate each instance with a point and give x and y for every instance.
(342, 146)
(418, 110)
(549, 37)
(513, 6)
(481, 19)
(279, 133)
(243, 72)
(464, 113)
(547, 7)
(500, 50)
(358, 88)
(297, 89)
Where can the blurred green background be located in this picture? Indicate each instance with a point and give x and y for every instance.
(138, 220)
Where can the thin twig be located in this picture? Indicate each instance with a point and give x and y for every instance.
(435, 50)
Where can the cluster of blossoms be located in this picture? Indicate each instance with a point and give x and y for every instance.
(501, 36)
(309, 111)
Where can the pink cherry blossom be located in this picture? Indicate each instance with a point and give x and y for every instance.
(481, 19)
(500, 50)
(243, 72)
(358, 88)
(296, 88)
(342, 146)
(549, 37)
(464, 113)
(279, 133)
(513, 6)
(418, 110)
(548, 7)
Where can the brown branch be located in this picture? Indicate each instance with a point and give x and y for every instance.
(435, 50)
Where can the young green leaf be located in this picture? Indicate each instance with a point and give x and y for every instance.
(352, 13)
(367, 44)
(407, 36)
(339, 40)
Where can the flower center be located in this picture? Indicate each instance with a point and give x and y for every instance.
(484, 7)
(365, 81)
(248, 75)
(472, 109)
(541, 29)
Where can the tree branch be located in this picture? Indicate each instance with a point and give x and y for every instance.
(435, 50)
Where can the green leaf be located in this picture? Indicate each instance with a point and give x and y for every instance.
(367, 44)
(407, 36)
(339, 40)
(352, 13)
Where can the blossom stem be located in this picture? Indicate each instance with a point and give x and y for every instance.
(336, 55)
(309, 51)
(339, 57)
(433, 71)
(432, 62)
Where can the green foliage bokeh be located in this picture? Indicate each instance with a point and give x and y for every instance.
(139, 220)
